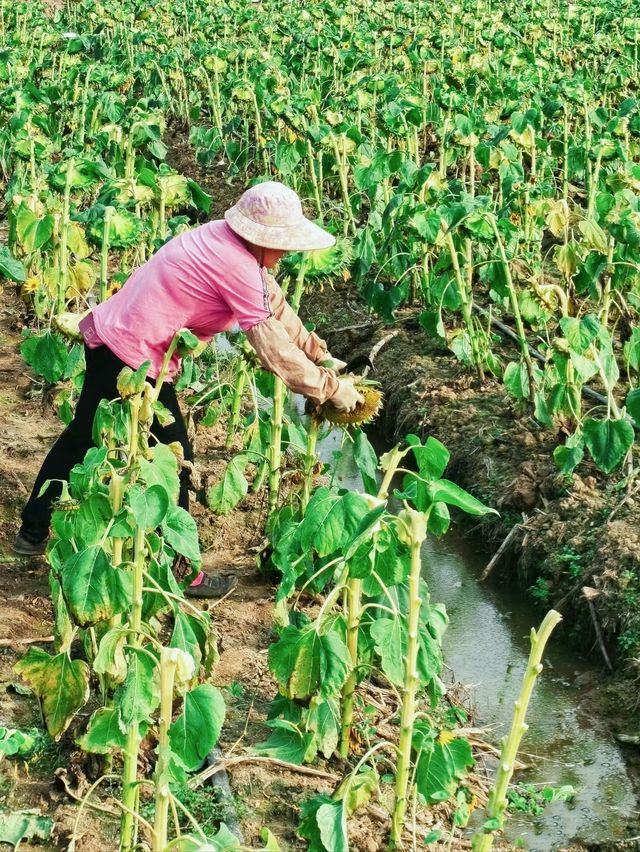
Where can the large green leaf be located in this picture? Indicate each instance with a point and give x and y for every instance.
(442, 762)
(288, 742)
(633, 404)
(61, 684)
(33, 233)
(432, 457)
(110, 659)
(104, 732)
(323, 719)
(608, 441)
(139, 695)
(331, 520)
(162, 470)
(93, 517)
(196, 730)
(367, 461)
(185, 638)
(93, 588)
(149, 505)
(323, 824)
(47, 354)
(304, 662)
(391, 647)
(16, 826)
(181, 532)
(226, 494)
(332, 822)
(11, 268)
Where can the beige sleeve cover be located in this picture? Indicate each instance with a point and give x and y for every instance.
(313, 346)
(281, 355)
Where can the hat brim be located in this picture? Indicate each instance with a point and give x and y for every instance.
(303, 236)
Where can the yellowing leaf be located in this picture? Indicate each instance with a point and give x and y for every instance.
(61, 684)
(558, 217)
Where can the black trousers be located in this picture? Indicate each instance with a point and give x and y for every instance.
(70, 448)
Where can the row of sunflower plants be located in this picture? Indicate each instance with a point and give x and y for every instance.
(528, 206)
(129, 648)
(360, 558)
(88, 190)
(454, 182)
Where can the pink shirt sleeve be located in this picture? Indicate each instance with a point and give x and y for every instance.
(245, 291)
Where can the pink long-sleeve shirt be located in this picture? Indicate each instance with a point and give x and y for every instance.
(205, 280)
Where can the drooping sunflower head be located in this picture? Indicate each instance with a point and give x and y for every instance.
(364, 411)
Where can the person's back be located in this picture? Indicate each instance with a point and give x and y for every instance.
(204, 280)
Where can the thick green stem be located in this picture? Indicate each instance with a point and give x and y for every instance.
(236, 406)
(464, 296)
(593, 189)
(130, 767)
(417, 531)
(354, 611)
(565, 157)
(104, 253)
(354, 614)
(275, 448)
(605, 303)
(299, 288)
(342, 165)
(515, 307)
(497, 805)
(309, 462)
(63, 272)
(314, 178)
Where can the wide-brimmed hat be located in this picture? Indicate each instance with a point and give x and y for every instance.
(270, 215)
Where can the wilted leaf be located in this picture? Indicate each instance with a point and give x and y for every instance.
(61, 684)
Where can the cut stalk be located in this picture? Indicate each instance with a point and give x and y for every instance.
(168, 662)
(497, 805)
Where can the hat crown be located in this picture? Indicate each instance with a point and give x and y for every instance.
(272, 204)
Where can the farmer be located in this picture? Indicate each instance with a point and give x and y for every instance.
(206, 280)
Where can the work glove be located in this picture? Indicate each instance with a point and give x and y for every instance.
(332, 363)
(346, 397)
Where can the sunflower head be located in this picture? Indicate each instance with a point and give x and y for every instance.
(364, 411)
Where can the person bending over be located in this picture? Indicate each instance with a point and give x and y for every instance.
(207, 280)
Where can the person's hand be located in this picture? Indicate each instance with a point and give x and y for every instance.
(346, 397)
(332, 363)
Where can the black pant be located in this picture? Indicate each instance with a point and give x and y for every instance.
(70, 448)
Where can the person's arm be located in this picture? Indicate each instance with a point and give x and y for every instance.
(281, 355)
(246, 291)
(313, 346)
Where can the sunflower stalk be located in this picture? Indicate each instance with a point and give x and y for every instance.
(496, 808)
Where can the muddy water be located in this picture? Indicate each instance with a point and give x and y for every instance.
(486, 648)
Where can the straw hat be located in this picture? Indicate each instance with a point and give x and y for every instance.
(270, 215)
